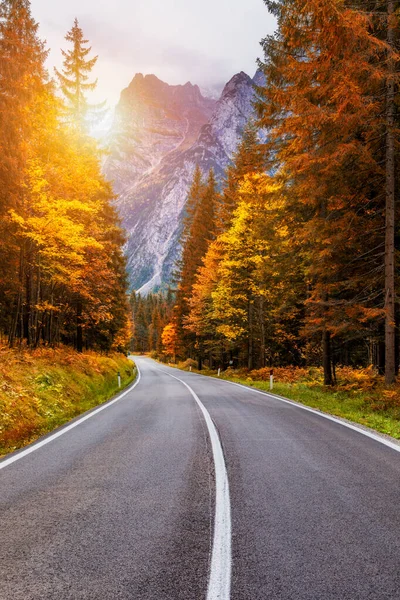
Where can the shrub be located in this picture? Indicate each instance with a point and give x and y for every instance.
(189, 362)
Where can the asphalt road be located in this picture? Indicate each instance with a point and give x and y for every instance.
(124, 504)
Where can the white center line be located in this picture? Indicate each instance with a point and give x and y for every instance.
(296, 404)
(219, 585)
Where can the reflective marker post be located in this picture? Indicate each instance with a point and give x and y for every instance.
(119, 379)
(271, 379)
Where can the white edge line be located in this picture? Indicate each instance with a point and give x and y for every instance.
(219, 583)
(369, 434)
(36, 445)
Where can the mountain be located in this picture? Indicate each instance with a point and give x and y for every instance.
(160, 134)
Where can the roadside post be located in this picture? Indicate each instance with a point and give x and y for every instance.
(271, 379)
(119, 379)
(219, 372)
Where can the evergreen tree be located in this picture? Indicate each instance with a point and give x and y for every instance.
(62, 272)
(250, 157)
(324, 108)
(74, 78)
(202, 320)
(150, 315)
(23, 88)
(199, 231)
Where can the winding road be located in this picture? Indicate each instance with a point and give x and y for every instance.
(191, 488)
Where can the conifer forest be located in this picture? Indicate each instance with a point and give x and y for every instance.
(293, 261)
(199, 299)
(289, 259)
(62, 270)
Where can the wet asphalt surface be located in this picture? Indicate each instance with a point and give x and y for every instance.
(121, 506)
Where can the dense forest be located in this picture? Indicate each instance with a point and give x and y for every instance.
(294, 261)
(62, 271)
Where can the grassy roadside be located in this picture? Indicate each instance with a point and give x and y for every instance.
(360, 395)
(44, 389)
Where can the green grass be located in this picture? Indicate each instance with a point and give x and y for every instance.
(42, 390)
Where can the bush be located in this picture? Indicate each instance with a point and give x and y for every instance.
(44, 388)
(282, 374)
(189, 362)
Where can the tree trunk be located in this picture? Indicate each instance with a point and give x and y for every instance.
(390, 344)
(79, 329)
(14, 323)
(28, 308)
(17, 319)
(326, 357)
(200, 357)
(38, 324)
(262, 332)
(250, 361)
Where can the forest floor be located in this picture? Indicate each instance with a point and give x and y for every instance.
(359, 396)
(43, 389)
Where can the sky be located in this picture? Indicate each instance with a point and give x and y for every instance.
(202, 41)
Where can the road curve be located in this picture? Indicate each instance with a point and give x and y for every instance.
(122, 506)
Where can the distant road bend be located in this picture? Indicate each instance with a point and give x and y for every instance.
(191, 488)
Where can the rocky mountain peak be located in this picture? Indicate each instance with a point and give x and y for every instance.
(160, 134)
(149, 88)
(240, 79)
(232, 112)
(152, 120)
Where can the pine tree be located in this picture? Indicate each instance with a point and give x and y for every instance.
(74, 78)
(390, 191)
(324, 105)
(250, 157)
(199, 231)
(254, 280)
(23, 85)
(201, 319)
(62, 271)
(150, 315)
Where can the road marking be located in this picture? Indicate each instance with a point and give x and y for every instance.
(35, 446)
(369, 434)
(219, 585)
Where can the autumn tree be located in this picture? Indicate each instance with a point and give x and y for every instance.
(199, 231)
(324, 108)
(170, 340)
(201, 320)
(63, 271)
(150, 316)
(250, 157)
(23, 85)
(256, 298)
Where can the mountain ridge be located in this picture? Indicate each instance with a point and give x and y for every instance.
(161, 133)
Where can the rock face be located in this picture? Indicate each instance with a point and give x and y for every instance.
(160, 134)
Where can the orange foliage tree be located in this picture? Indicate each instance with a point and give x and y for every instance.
(324, 105)
(62, 264)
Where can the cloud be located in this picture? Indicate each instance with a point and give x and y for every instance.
(136, 49)
(177, 40)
